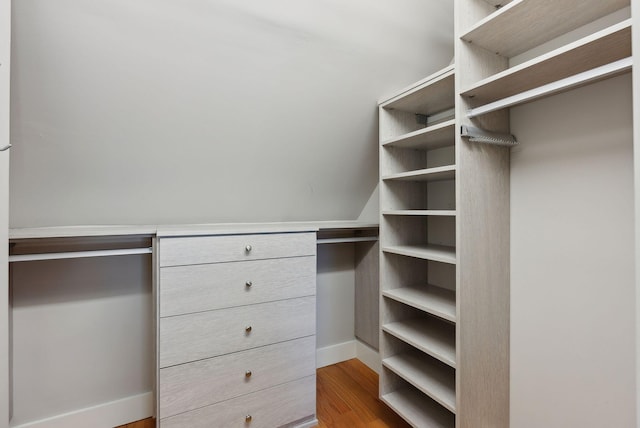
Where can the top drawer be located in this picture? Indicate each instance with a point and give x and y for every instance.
(228, 248)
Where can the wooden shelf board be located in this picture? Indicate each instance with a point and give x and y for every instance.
(437, 253)
(600, 73)
(425, 213)
(429, 174)
(431, 137)
(434, 300)
(600, 48)
(524, 24)
(429, 376)
(435, 338)
(412, 406)
(431, 95)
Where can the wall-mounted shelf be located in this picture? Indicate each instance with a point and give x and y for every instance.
(429, 174)
(433, 300)
(436, 253)
(431, 137)
(603, 72)
(597, 49)
(426, 213)
(433, 94)
(524, 24)
(431, 377)
(435, 338)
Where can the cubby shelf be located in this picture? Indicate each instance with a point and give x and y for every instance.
(433, 94)
(437, 253)
(418, 411)
(429, 376)
(429, 336)
(434, 300)
(429, 174)
(425, 213)
(431, 137)
(594, 50)
(524, 24)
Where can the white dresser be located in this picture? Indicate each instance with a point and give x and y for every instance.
(236, 320)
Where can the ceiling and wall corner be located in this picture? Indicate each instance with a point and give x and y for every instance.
(208, 111)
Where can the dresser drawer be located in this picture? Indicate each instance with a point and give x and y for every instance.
(269, 408)
(185, 289)
(198, 384)
(192, 337)
(228, 248)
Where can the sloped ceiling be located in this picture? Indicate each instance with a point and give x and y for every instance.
(159, 111)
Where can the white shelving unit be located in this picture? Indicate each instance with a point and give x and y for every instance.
(418, 254)
(444, 224)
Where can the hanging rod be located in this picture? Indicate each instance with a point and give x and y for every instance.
(478, 135)
(78, 254)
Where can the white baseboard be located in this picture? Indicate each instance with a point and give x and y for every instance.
(107, 415)
(369, 356)
(335, 353)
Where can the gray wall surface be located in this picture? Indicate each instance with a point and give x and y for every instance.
(196, 111)
(572, 260)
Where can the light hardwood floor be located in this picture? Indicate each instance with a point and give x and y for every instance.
(347, 398)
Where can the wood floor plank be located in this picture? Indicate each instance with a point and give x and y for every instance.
(347, 395)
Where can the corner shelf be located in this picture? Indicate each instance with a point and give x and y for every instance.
(431, 337)
(431, 299)
(412, 406)
(503, 31)
(430, 377)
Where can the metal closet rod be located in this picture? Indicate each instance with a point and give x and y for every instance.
(78, 254)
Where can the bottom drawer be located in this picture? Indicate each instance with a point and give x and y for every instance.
(269, 408)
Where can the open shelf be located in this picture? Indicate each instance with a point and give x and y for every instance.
(431, 137)
(434, 300)
(433, 94)
(597, 49)
(431, 337)
(524, 24)
(429, 376)
(425, 213)
(429, 174)
(437, 253)
(600, 73)
(412, 406)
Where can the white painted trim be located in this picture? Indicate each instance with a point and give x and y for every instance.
(335, 353)
(369, 356)
(106, 415)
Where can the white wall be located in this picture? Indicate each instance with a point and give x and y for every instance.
(82, 334)
(208, 111)
(572, 260)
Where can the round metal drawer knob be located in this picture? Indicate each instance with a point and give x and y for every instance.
(248, 418)
(248, 373)
(248, 329)
(248, 283)
(247, 248)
